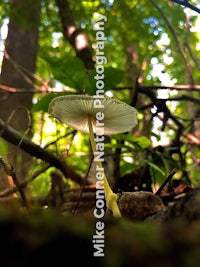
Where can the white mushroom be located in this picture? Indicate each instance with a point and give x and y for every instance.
(81, 113)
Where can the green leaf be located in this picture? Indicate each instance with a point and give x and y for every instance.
(126, 167)
(142, 141)
(155, 167)
(69, 71)
(116, 146)
(43, 103)
(112, 77)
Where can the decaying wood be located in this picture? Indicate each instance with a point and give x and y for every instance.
(186, 208)
(139, 205)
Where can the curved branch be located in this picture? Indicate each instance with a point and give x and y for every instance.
(13, 137)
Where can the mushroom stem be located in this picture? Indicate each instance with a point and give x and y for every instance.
(111, 198)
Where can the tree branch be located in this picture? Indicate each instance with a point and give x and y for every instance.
(13, 137)
(184, 87)
(186, 4)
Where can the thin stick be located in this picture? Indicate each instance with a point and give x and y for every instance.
(9, 170)
(166, 182)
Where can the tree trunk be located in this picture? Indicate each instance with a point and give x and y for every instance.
(72, 34)
(19, 63)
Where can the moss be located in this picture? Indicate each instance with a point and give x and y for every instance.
(44, 237)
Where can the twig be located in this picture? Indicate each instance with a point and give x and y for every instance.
(166, 181)
(143, 88)
(24, 183)
(186, 4)
(9, 170)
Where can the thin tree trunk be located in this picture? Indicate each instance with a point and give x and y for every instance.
(19, 63)
(72, 34)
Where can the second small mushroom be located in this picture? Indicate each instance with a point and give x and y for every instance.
(79, 112)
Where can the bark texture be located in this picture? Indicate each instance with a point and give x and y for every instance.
(18, 68)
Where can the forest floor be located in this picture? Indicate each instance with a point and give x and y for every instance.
(40, 236)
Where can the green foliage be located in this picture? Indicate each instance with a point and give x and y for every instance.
(40, 186)
(4, 11)
(112, 77)
(69, 70)
(143, 41)
(136, 142)
(43, 103)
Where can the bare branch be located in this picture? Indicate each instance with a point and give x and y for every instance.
(13, 137)
(186, 4)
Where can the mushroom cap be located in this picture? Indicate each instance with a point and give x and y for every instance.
(74, 110)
